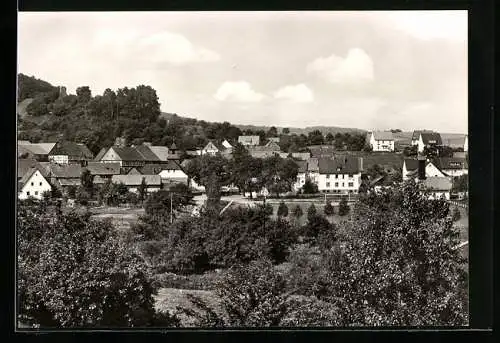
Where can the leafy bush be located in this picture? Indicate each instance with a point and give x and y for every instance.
(343, 207)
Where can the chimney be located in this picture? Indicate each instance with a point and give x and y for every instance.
(421, 167)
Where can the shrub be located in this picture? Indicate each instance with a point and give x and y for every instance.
(343, 207)
(456, 214)
(311, 212)
(282, 210)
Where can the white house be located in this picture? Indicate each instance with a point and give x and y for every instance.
(339, 175)
(452, 166)
(410, 169)
(170, 171)
(428, 139)
(33, 184)
(212, 148)
(301, 175)
(437, 187)
(226, 144)
(381, 141)
(249, 140)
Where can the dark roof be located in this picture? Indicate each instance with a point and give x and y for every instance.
(156, 168)
(27, 176)
(411, 164)
(24, 165)
(339, 165)
(72, 149)
(100, 154)
(302, 166)
(416, 134)
(146, 153)
(450, 163)
(65, 170)
(431, 138)
(98, 168)
(137, 153)
(173, 146)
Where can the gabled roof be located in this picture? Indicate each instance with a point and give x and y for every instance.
(416, 134)
(431, 138)
(313, 164)
(35, 148)
(302, 166)
(136, 180)
(71, 149)
(455, 142)
(136, 153)
(160, 151)
(98, 168)
(146, 153)
(27, 176)
(249, 140)
(411, 163)
(216, 144)
(438, 183)
(450, 163)
(157, 168)
(341, 165)
(133, 171)
(273, 145)
(65, 170)
(100, 154)
(24, 165)
(383, 135)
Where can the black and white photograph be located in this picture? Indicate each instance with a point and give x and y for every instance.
(218, 170)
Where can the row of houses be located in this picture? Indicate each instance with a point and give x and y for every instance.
(385, 140)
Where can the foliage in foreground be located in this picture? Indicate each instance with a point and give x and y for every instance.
(75, 272)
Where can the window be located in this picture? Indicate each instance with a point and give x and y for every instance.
(40, 183)
(336, 176)
(328, 184)
(28, 193)
(342, 184)
(36, 192)
(336, 184)
(351, 184)
(350, 176)
(32, 183)
(327, 176)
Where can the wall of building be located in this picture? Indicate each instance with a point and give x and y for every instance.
(61, 159)
(339, 183)
(35, 187)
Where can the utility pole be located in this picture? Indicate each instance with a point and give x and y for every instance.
(171, 207)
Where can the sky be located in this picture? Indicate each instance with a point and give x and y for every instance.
(368, 70)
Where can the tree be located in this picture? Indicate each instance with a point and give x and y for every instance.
(445, 151)
(329, 209)
(142, 190)
(297, 212)
(74, 272)
(456, 214)
(279, 174)
(343, 207)
(329, 138)
(311, 212)
(285, 131)
(315, 138)
(398, 264)
(87, 181)
(410, 151)
(309, 187)
(282, 210)
(83, 94)
(158, 204)
(212, 172)
(272, 132)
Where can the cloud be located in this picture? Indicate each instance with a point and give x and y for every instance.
(296, 93)
(356, 67)
(176, 49)
(238, 91)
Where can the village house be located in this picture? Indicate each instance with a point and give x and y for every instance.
(381, 141)
(65, 152)
(416, 136)
(170, 172)
(436, 187)
(451, 166)
(33, 184)
(457, 142)
(26, 164)
(274, 139)
(129, 156)
(249, 140)
(428, 139)
(162, 152)
(102, 172)
(213, 148)
(133, 182)
(226, 144)
(301, 176)
(340, 175)
(264, 151)
(63, 176)
(410, 169)
(133, 171)
(37, 151)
